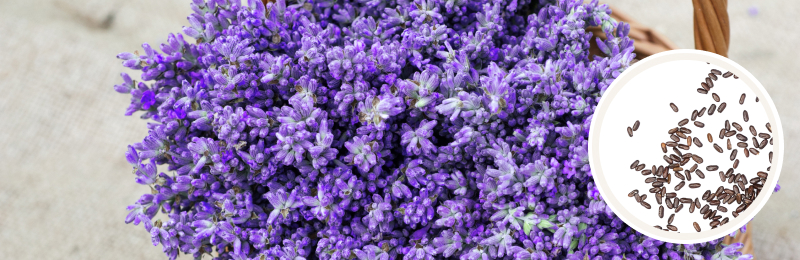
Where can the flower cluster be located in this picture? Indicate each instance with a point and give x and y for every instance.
(367, 129)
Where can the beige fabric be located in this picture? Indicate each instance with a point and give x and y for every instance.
(64, 181)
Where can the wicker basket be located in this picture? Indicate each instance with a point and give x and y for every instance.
(711, 33)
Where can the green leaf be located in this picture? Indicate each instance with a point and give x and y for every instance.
(573, 245)
(545, 224)
(552, 218)
(582, 226)
(527, 226)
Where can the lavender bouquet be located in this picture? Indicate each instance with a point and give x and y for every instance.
(368, 129)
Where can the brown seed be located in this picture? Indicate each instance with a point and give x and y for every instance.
(756, 99)
(633, 192)
(730, 133)
(646, 205)
(643, 197)
(741, 137)
(735, 214)
(672, 228)
(691, 207)
(661, 211)
(672, 195)
(770, 140)
(736, 162)
(741, 144)
(714, 96)
(634, 164)
(699, 124)
(658, 184)
(674, 138)
(715, 71)
(700, 174)
(702, 91)
(712, 108)
(669, 203)
(636, 125)
(763, 144)
(746, 153)
(683, 122)
(727, 74)
(694, 115)
(630, 132)
(681, 135)
(735, 77)
(688, 175)
(762, 174)
(710, 138)
(671, 144)
(680, 176)
(674, 107)
(658, 227)
(654, 190)
(741, 99)
(694, 167)
(694, 185)
(650, 180)
(737, 126)
(696, 226)
(745, 116)
(763, 135)
(658, 197)
(680, 185)
(722, 176)
(729, 144)
(701, 112)
(685, 130)
(722, 133)
(673, 130)
(704, 209)
(683, 146)
(712, 76)
(724, 221)
(689, 140)
(670, 219)
(733, 155)
(697, 158)
(664, 147)
(770, 157)
(721, 208)
(647, 172)
(769, 127)
(755, 142)
(753, 130)
(721, 107)
(709, 82)
(753, 151)
(640, 167)
(712, 168)
(716, 147)
(679, 208)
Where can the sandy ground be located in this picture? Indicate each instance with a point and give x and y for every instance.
(65, 182)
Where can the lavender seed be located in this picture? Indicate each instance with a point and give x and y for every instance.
(727, 74)
(679, 186)
(636, 125)
(674, 107)
(699, 124)
(714, 96)
(694, 185)
(671, 227)
(700, 174)
(721, 107)
(737, 126)
(741, 99)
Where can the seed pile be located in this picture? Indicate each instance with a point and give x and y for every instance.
(684, 161)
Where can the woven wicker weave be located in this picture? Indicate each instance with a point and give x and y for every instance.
(711, 33)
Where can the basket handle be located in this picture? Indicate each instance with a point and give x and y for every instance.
(711, 26)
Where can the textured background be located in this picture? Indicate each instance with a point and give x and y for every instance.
(65, 182)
